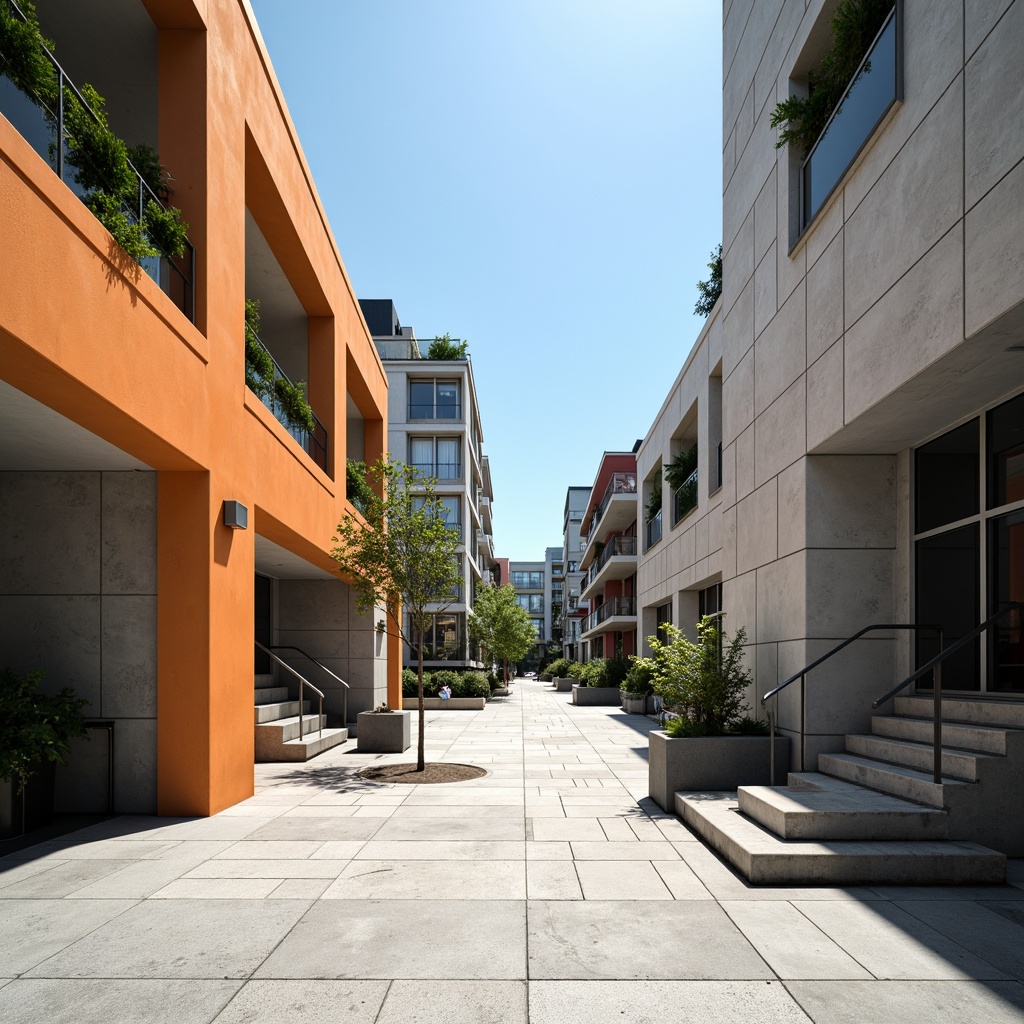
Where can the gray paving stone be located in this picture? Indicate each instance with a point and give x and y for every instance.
(305, 1002)
(33, 930)
(610, 940)
(317, 829)
(456, 1002)
(661, 1002)
(910, 1002)
(613, 880)
(506, 828)
(178, 939)
(552, 880)
(429, 879)
(464, 939)
(61, 880)
(87, 1001)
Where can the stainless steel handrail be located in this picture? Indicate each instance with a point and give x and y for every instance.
(936, 665)
(320, 665)
(302, 683)
(773, 714)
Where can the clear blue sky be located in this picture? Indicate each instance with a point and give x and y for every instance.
(540, 177)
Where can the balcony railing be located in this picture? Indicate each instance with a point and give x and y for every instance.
(873, 90)
(45, 130)
(617, 606)
(439, 470)
(615, 546)
(684, 498)
(653, 530)
(620, 483)
(314, 442)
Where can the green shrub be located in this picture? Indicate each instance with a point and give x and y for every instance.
(445, 348)
(639, 678)
(559, 668)
(615, 670)
(446, 677)
(747, 726)
(575, 671)
(493, 681)
(545, 677)
(474, 684)
(408, 682)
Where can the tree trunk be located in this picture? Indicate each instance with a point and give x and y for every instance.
(420, 762)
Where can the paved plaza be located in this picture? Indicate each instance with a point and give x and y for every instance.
(551, 891)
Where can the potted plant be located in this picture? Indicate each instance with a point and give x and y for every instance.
(599, 681)
(35, 735)
(710, 743)
(637, 685)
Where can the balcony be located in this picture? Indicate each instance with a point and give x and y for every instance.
(617, 614)
(616, 512)
(874, 89)
(684, 498)
(274, 393)
(485, 512)
(653, 531)
(130, 209)
(617, 561)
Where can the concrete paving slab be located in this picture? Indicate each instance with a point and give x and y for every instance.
(61, 880)
(548, 851)
(613, 880)
(217, 889)
(317, 829)
(430, 879)
(681, 881)
(623, 851)
(441, 851)
(458, 1002)
(910, 1002)
(305, 1002)
(13, 870)
(609, 940)
(462, 939)
(134, 882)
(300, 889)
(552, 880)
(659, 1002)
(177, 939)
(31, 931)
(498, 829)
(86, 1001)
(894, 945)
(285, 849)
(273, 868)
(792, 945)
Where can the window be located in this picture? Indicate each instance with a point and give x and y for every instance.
(437, 457)
(442, 639)
(531, 602)
(538, 624)
(528, 580)
(451, 511)
(574, 567)
(434, 400)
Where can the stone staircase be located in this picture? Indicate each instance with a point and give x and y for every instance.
(277, 726)
(873, 814)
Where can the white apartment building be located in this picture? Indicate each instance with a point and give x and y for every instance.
(434, 426)
(856, 397)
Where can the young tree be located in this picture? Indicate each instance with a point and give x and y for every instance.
(403, 556)
(501, 625)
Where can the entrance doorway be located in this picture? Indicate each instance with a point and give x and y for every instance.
(263, 624)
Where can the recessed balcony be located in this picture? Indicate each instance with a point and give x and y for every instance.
(617, 561)
(616, 512)
(616, 615)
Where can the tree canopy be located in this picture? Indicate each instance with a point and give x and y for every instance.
(501, 625)
(401, 554)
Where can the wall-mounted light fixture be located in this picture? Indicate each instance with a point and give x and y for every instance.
(381, 626)
(236, 515)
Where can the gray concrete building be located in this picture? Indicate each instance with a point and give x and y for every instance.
(574, 609)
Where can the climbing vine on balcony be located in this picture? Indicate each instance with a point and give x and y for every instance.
(105, 167)
(261, 376)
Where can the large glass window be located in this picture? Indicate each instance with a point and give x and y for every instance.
(442, 639)
(434, 400)
(946, 473)
(531, 602)
(436, 457)
(528, 580)
(1006, 453)
(1006, 584)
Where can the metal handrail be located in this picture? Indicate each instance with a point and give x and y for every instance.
(303, 681)
(936, 665)
(774, 714)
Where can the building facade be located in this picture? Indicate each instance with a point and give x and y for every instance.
(159, 508)
(574, 609)
(434, 426)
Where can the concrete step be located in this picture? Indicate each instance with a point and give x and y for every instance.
(982, 738)
(271, 695)
(957, 764)
(263, 713)
(1009, 714)
(766, 859)
(270, 749)
(288, 728)
(897, 780)
(827, 808)
(264, 679)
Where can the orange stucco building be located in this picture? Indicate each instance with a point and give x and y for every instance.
(126, 421)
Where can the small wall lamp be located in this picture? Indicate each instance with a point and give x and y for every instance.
(236, 515)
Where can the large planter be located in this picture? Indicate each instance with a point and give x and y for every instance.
(451, 704)
(387, 733)
(596, 696)
(710, 763)
(30, 809)
(564, 685)
(634, 703)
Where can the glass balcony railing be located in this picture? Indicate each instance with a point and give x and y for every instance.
(614, 608)
(653, 530)
(313, 442)
(874, 89)
(684, 498)
(614, 546)
(620, 483)
(47, 131)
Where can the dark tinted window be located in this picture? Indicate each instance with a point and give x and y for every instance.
(1006, 453)
(946, 472)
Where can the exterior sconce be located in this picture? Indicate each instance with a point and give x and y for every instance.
(381, 626)
(236, 515)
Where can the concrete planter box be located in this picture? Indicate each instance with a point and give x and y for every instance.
(634, 703)
(383, 734)
(563, 685)
(500, 691)
(451, 704)
(596, 696)
(709, 763)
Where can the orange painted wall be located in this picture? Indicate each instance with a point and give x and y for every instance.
(102, 345)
